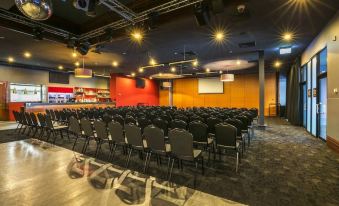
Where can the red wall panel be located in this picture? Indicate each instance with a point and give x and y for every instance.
(124, 91)
(14, 106)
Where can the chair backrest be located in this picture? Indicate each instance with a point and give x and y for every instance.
(155, 138)
(130, 120)
(181, 117)
(101, 130)
(211, 122)
(28, 118)
(143, 122)
(199, 131)
(236, 123)
(34, 119)
(162, 124)
(74, 126)
(49, 122)
(42, 120)
(107, 118)
(116, 131)
(87, 127)
(120, 119)
(225, 135)
(179, 124)
(133, 135)
(181, 142)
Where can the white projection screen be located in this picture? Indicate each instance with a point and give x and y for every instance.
(210, 86)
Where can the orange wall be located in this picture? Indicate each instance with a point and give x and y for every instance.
(243, 92)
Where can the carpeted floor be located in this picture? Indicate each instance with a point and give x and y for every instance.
(283, 166)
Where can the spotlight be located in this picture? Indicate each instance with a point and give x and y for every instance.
(83, 48)
(141, 70)
(207, 70)
(77, 64)
(10, 59)
(137, 35)
(133, 74)
(287, 36)
(86, 5)
(115, 63)
(74, 54)
(60, 67)
(173, 69)
(27, 55)
(277, 64)
(150, 77)
(219, 36)
(71, 42)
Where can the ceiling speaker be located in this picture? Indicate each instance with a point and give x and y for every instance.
(35, 9)
(202, 14)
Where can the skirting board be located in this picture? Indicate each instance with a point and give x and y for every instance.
(332, 143)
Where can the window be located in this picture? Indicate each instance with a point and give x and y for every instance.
(25, 93)
(323, 61)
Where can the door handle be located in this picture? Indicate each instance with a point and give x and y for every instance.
(317, 108)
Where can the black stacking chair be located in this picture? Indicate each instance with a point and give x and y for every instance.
(43, 125)
(178, 124)
(181, 142)
(245, 126)
(226, 139)
(88, 132)
(102, 136)
(74, 129)
(211, 122)
(130, 120)
(199, 131)
(239, 125)
(107, 118)
(143, 122)
(162, 124)
(120, 119)
(117, 136)
(134, 141)
(155, 140)
(17, 120)
(181, 117)
(35, 124)
(52, 130)
(29, 123)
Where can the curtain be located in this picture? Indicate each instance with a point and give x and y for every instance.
(293, 95)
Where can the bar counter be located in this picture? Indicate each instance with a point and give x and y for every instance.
(41, 107)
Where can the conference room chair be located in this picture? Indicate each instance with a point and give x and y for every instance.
(75, 129)
(53, 129)
(211, 122)
(117, 137)
(88, 132)
(135, 142)
(130, 120)
(181, 142)
(226, 139)
(162, 124)
(35, 124)
(102, 136)
(120, 119)
(155, 139)
(143, 122)
(199, 130)
(178, 124)
(240, 136)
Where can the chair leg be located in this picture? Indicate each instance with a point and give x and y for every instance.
(202, 166)
(84, 148)
(237, 162)
(113, 152)
(146, 160)
(170, 173)
(76, 139)
(168, 167)
(129, 157)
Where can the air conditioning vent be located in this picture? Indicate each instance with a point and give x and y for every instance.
(247, 44)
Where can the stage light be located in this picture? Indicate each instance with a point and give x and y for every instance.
(27, 55)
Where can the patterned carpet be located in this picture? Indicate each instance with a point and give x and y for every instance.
(283, 166)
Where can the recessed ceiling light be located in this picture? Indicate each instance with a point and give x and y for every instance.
(60, 67)
(77, 64)
(115, 63)
(27, 55)
(141, 70)
(152, 62)
(74, 54)
(10, 59)
(287, 36)
(173, 69)
(133, 74)
(219, 36)
(277, 64)
(137, 35)
(238, 62)
(195, 63)
(150, 77)
(207, 70)
(220, 72)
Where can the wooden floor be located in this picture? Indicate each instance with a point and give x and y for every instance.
(5, 125)
(36, 173)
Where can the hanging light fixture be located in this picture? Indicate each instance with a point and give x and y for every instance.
(227, 77)
(82, 72)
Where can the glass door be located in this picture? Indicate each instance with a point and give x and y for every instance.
(322, 108)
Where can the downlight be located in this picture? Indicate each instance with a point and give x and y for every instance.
(35, 9)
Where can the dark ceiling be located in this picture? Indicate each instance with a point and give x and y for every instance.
(177, 31)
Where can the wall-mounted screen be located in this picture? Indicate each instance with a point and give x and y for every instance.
(210, 86)
(58, 77)
(25, 93)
